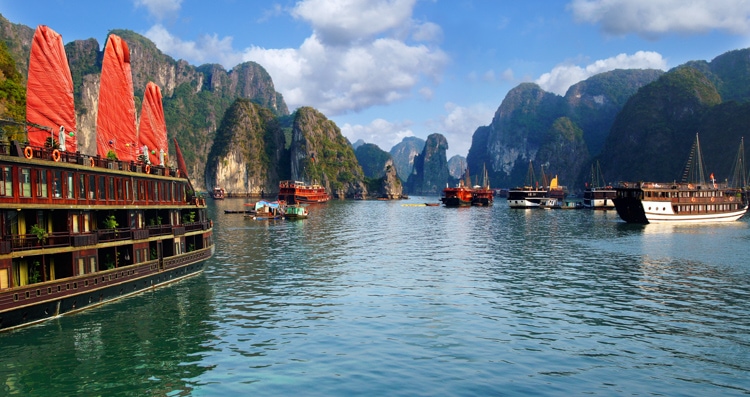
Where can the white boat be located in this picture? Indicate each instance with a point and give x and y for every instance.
(684, 202)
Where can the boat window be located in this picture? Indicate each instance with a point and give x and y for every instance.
(92, 186)
(127, 189)
(74, 221)
(82, 186)
(120, 196)
(70, 188)
(41, 183)
(25, 182)
(86, 221)
(111, 188)
(92, 263)
(102, 190)
(6, 187)
(57, 184)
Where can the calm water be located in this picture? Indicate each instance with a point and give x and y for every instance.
(377, 298)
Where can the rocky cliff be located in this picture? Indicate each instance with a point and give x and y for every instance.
(248, 155)
(430, 173)
(556, 132)
(390, 184)
(320, 154)
(403, 155)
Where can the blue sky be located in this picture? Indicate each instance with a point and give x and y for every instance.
(386, 69)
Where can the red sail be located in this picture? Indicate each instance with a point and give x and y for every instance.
(152, 131)
(49, 92)
(115, 121)
(180, 160)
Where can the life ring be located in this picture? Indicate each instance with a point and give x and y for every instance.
(692, 199)
(28, 152)
(56, 155)
(148, 169)
(712, 199)
(91, 161)
(690, 185)
(731, 198)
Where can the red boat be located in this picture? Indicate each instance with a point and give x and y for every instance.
(459, 196)
(296, 192)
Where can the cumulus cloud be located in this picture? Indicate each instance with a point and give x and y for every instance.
(563, 76)
(459, 123)
(651, 18)
(209, 48)
(381, 132)
(160, 8)
(340, 79)
(339, 22)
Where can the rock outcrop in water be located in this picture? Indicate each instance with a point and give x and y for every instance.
(430, 173)
(319, 153)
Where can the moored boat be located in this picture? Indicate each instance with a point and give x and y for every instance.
(529, 195)
(79, 230)
(295, 212)
(482, 195)
(598, 195)
(457, 196)
(218, 193)
(266, 210)
(296, 192)
(684, 202)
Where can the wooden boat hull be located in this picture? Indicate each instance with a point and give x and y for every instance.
(43, 301)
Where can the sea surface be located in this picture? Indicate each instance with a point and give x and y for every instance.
(378, 298)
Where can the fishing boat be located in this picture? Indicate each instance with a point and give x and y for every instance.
(691, 201)
(598, 195)
(528, 196)
(80, 230)
(266, 210)
(218, 193)
(295, 211)
(482, 195)
(296, 192)
(457, 196)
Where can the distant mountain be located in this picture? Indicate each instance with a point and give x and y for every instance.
(357, 144)
(553, 132)
(403, 155)
(430, 173)
(456, 166)
(372, 159)
(652, 136)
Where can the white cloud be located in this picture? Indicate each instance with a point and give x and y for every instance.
(206, 49)
(459, 123)
(651, 18)
(160, 8)
(340, 22)
(337, 79)
(355, 58)
(380, 132)
(563, 76)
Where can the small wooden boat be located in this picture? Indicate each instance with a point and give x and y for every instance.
(295, 212)
(265, 210)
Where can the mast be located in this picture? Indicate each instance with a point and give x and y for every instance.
(693, 172)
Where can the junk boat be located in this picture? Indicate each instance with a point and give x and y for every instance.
(296, 192)
(598, 195)
(685, 202)
(76, 230)
(482, 195)
(457, 196)
(530, 195)
(218, 193)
